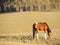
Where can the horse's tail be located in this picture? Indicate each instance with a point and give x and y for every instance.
(34, 30)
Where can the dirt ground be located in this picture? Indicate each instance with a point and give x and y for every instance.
(16, 28)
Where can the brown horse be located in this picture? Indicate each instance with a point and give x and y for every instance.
(41, 26)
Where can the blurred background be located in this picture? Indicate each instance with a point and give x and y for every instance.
(29, 5)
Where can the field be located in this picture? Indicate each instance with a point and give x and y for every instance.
(16, 28)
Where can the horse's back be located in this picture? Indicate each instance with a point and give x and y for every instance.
(41, 26)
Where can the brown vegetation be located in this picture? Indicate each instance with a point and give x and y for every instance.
(30, 5)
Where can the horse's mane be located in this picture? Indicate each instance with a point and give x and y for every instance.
(48, 30)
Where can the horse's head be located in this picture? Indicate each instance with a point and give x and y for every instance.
(49, 33)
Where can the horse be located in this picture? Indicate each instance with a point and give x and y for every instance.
(41, 26)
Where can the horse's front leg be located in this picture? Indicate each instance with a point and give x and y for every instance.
(45, 34)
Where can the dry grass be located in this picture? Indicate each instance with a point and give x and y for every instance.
(17, 28)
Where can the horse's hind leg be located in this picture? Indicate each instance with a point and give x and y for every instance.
(37, 35)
